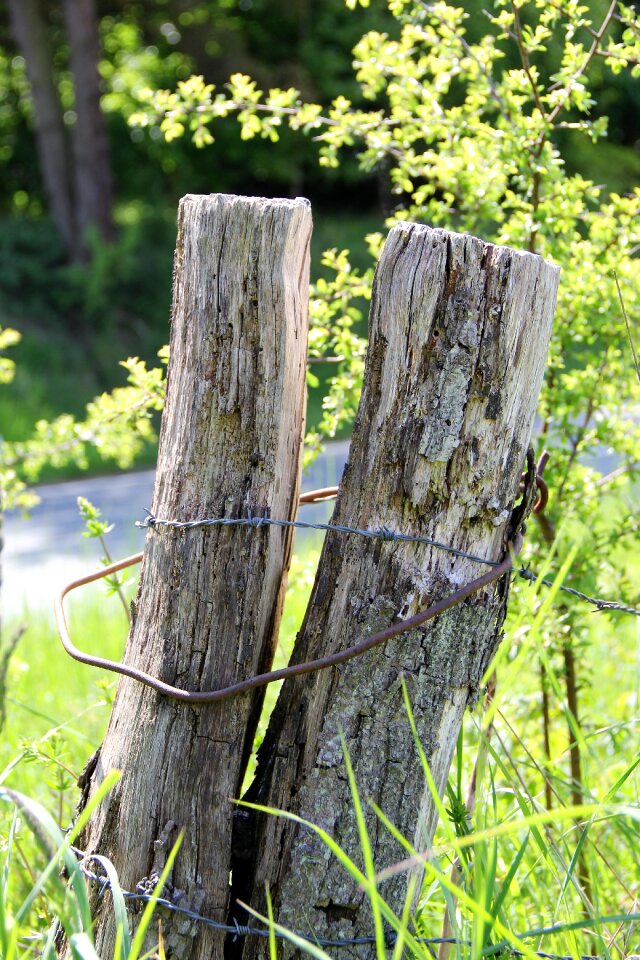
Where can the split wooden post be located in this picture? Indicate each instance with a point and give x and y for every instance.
(458, 338)
(209, 601)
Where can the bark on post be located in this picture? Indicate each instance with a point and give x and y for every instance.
(458, 339)
(209, 601)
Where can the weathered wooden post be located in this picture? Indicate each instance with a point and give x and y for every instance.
(209, 602)
(458, 339)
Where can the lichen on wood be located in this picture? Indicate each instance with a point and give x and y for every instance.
(458, 338)
(209, 600)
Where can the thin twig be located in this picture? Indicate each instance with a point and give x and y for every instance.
(548, 780)
(116, 582)
(483, 748)
(546, 732)
(468, 49)
(597, 38)
(618, 472)
(589, 412)
(526, 63)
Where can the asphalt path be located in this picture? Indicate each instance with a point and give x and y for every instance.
(48, 549)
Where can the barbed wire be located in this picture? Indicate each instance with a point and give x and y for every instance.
(498, 569)
(256, 522)
(235, 929)
(244, 930)
(599, 603)
(379, 533)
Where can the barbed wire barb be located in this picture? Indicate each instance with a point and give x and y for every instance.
(236, 929)
(384, 534)
(498, 569)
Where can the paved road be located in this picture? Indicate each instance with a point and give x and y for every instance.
(47, 550)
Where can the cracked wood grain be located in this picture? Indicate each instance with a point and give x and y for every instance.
(458, 339)
(209, 601)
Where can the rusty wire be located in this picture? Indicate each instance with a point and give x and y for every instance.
(499, 569)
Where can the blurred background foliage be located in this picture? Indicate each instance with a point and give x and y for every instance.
(80, 315)
(81, 311)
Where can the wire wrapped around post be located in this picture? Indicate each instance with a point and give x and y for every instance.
(212, 696)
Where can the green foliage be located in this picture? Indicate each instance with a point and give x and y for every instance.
(502, 868)
(8, 338)
(117, 424)
(68, 901)
(519, 869)
(334, 315)
(96, 528)
(474, 144)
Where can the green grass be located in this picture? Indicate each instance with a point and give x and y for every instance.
(57, 713)
(508, 868)
(56, 704)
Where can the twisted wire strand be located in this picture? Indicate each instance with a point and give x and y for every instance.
(379, 533)
(383, 533)
(261, 680)
(242, 930)
(256, 523)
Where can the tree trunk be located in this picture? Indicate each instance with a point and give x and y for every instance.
(209, 600)
(29, 28)
(92, 168)
(459, 333)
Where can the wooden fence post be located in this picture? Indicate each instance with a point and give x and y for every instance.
(458, 339)
(209, 601)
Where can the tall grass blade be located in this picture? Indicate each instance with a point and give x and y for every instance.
(273, 950)
(306, 945)
(48, 835)
(351, 868)
(10, 933)
(6, 920)
(49, 951)
(10, 767)
(509, 877)
(82, 948)
(611, 792)
(4, 879)
(575, 859)
(119, 907)
(405, 918)
(117, 946)
(367, 855)
(48, 838)
(145, 920)
(433, 789)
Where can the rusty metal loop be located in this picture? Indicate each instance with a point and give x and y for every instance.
(543, 495)
(541, 484)
(322, 663)
(318, 496)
